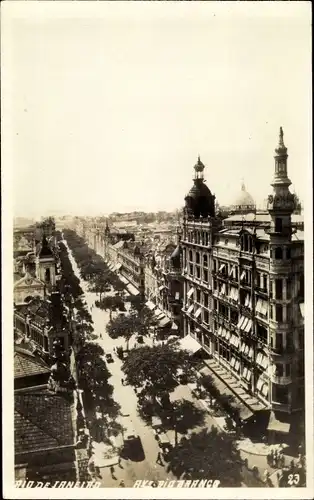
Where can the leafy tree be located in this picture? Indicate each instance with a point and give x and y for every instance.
(89, 352)
(207, 454)
(123, 326)
(136, 302)
(99, 284)
(93, 373)
(111, 302)
(154, 368)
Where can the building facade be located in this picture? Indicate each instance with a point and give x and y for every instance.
(244, 291)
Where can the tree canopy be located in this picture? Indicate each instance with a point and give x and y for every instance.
(123, 326)
(155, 367)
(207, 454)
(92, 370)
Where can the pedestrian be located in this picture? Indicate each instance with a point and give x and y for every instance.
(268, 458)
(266, 476)
(271, 458)
(122, 483)
(292, 465)
(120, 463)
(282, 461)
(122, 381)
(159, 459)
(112, 472)
(100, 336)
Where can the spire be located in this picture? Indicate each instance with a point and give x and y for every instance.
(282, 198)
(281, 150)
(242, 185)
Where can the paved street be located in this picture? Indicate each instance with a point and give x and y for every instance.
(125, 396)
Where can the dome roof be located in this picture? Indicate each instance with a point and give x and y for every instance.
(199, 201)
(244, 200)
(199, 189)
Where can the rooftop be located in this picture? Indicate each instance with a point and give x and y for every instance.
(27, 364)
(41, 420)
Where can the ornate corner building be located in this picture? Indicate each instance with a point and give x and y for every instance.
(244, 291)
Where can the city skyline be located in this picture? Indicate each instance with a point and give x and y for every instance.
(112, 119)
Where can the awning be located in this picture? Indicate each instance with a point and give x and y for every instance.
(132, 289)
(248, 326)
(221, 268)
(265, 362)
(161, 288)
(233, 401)
(248, 301)
(190, 309)
(158, 312)
(223, 289)
(124, 280)
(164, 322)
(242, 276)
(259, 384)
(190, 293)
(190, 344)
(231, 272)
(118, 266)
(264, 308)
(240, 322)
(302, 309)
(276, 425)
(177, 296)
(174, 326)
(150, 305)
(198, 312)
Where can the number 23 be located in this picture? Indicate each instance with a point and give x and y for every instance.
(293, 479)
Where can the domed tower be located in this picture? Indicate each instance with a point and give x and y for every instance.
(200, 202)
(244, 202)
(200, 225)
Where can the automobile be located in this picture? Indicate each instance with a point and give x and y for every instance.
(109, 358)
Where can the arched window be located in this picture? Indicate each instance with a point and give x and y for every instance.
(278, 253)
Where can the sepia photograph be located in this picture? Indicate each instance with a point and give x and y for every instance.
(157, 249)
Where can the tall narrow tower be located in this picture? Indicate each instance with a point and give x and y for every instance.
(282, 333)
(45, 264)
(281, 203)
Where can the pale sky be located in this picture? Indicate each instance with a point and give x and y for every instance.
(111, 103)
